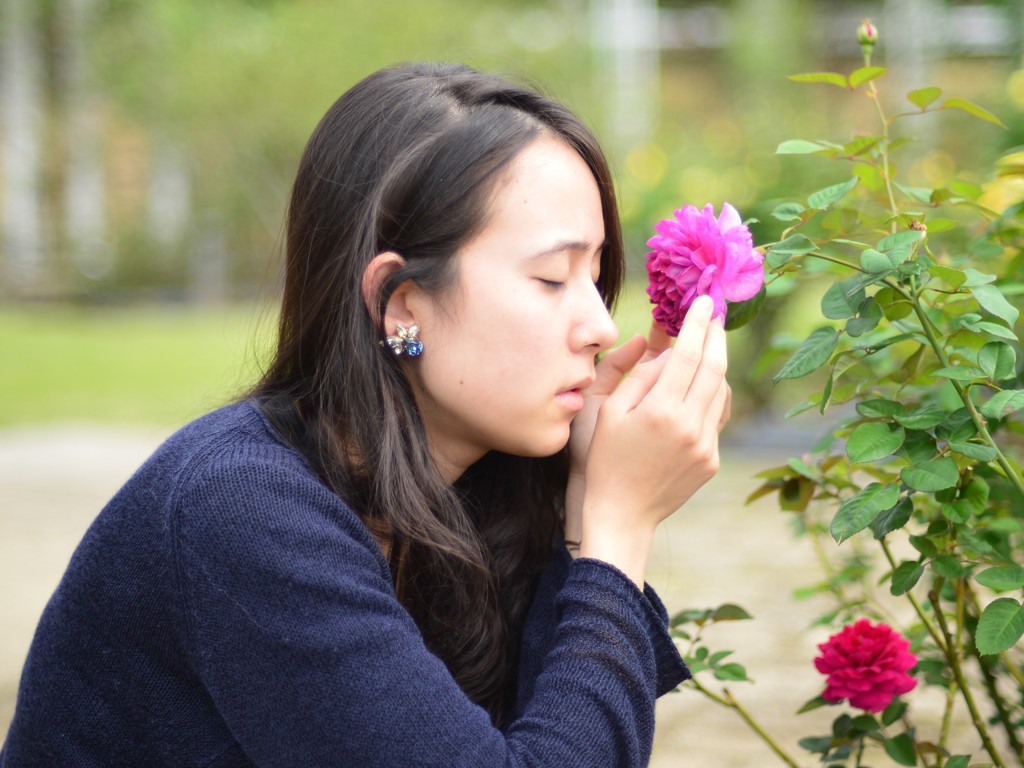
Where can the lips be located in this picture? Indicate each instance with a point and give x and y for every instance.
(572, 398)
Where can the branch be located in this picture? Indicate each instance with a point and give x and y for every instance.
(727, 700)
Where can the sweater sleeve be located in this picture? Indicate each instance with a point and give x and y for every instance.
(541, 626)
(296, 632)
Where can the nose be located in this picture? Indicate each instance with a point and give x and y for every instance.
(595, 330)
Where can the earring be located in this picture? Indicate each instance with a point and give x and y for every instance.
(406, 340)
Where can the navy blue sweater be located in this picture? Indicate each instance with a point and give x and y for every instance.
(227, 609)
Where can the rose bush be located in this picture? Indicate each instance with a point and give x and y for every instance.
(918, 484)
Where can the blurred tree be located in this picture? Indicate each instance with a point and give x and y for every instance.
(21, 109)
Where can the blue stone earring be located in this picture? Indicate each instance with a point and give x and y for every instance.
(406, 341)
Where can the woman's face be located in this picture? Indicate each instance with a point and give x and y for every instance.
(508, 351)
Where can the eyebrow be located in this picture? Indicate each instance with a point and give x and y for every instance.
(569, 245)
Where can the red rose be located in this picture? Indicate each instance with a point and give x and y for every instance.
(866, 664)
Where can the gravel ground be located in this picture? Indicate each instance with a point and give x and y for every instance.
(53, 480)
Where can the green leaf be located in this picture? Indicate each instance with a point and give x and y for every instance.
(860, 76)
(947, 567)
(860, 145)
(811, 355)
(816, 743)
(920, 194)
(799, 147)
(900, 240)
(954, 513)
(974, 498)
(934, 475)
(788, 212)
(858, 512)
(998, 359)
(919, 448)
(974, 277)
(901, 749)
(972, 109)
(954, 277)
(905, 577)
(922, 97)
(924, 545)
(958, 761)
(739, 313)
(894, 712)
(730, 612)
(832, 78)
(824, 198)
(1003, 403)
(865, 724)
(838, 303)
(960, 373)
(880, 408)
(869, 313)
(816, 703)
(976, 451)
(1000, 626)
(872, 441)
(992, 329)
(992, 301)
(730, 672)
(794, 245)
(717, 657)
(893, 519)
(876, 261)
(1002, 578)
(925, 417)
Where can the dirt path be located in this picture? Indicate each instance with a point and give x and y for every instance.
(53, 480)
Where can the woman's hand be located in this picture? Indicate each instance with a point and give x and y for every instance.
(655, 442)
(611, 369)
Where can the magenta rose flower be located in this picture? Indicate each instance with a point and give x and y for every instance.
(696, 254)
(867, 664)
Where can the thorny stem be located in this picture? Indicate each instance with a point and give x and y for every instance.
(727, 700)
(953, 657)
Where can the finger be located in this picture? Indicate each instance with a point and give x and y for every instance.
(727, 409)
(633, 389)
(616, 364)
(710, 375)
(688, 352)
(658, 341)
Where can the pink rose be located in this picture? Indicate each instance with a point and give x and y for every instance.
(696, 254)
(866, 664)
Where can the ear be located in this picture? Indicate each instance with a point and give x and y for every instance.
(398, 309)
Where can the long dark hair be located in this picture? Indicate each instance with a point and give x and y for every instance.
(405, 161)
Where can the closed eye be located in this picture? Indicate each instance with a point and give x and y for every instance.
(554, 285)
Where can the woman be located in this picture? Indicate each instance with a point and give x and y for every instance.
(394, 552)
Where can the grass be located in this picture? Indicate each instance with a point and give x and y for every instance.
(147, 364)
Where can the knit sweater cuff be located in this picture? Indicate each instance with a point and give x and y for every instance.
(670, 668)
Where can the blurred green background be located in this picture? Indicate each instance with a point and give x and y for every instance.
(149, 145)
